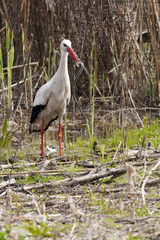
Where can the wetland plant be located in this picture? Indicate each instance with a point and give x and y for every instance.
(24, 71)
(92, 85)
(10, 60)
(2, 78)
(5, 140)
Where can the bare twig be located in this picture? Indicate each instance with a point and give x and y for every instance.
(16, 84)
(135, 108)
(21, 66)
(146, 179)
(115, 155)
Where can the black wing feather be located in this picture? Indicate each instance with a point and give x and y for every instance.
(35, 112)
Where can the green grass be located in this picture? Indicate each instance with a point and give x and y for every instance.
(3, 235)
(133, 139)
(74, 169)
(133, 238)
(33, 230)
(141, 212)
(40, 179)
(151, 132)
(44, 230)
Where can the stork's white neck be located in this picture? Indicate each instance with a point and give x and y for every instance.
(63, 65)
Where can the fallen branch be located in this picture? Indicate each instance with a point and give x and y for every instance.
(93, 175)
(7, 183)
(44, 172)
(153, 182)
(29, 173)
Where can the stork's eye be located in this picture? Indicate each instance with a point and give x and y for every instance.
(64, 45)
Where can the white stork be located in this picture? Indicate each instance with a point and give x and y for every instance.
(53, 97)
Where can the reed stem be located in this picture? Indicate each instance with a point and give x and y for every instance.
(24, 70)
(93, 92)
(10, 60)
(2, 78)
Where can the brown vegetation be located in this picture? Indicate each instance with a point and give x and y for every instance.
(104, 188)
(126, 55)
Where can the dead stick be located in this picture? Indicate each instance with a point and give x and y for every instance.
(36, 172)
(93, 175)
(22, 65)
(135, 108)
(146, 179)
(15, 84)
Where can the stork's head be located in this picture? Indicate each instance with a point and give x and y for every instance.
(66, 46)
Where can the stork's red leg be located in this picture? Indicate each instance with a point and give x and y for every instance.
(59, 136)
(42, 133)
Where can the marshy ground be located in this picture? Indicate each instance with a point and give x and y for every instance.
(101, 188)
(106, 184)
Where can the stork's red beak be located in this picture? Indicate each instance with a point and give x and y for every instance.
(70, 51)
